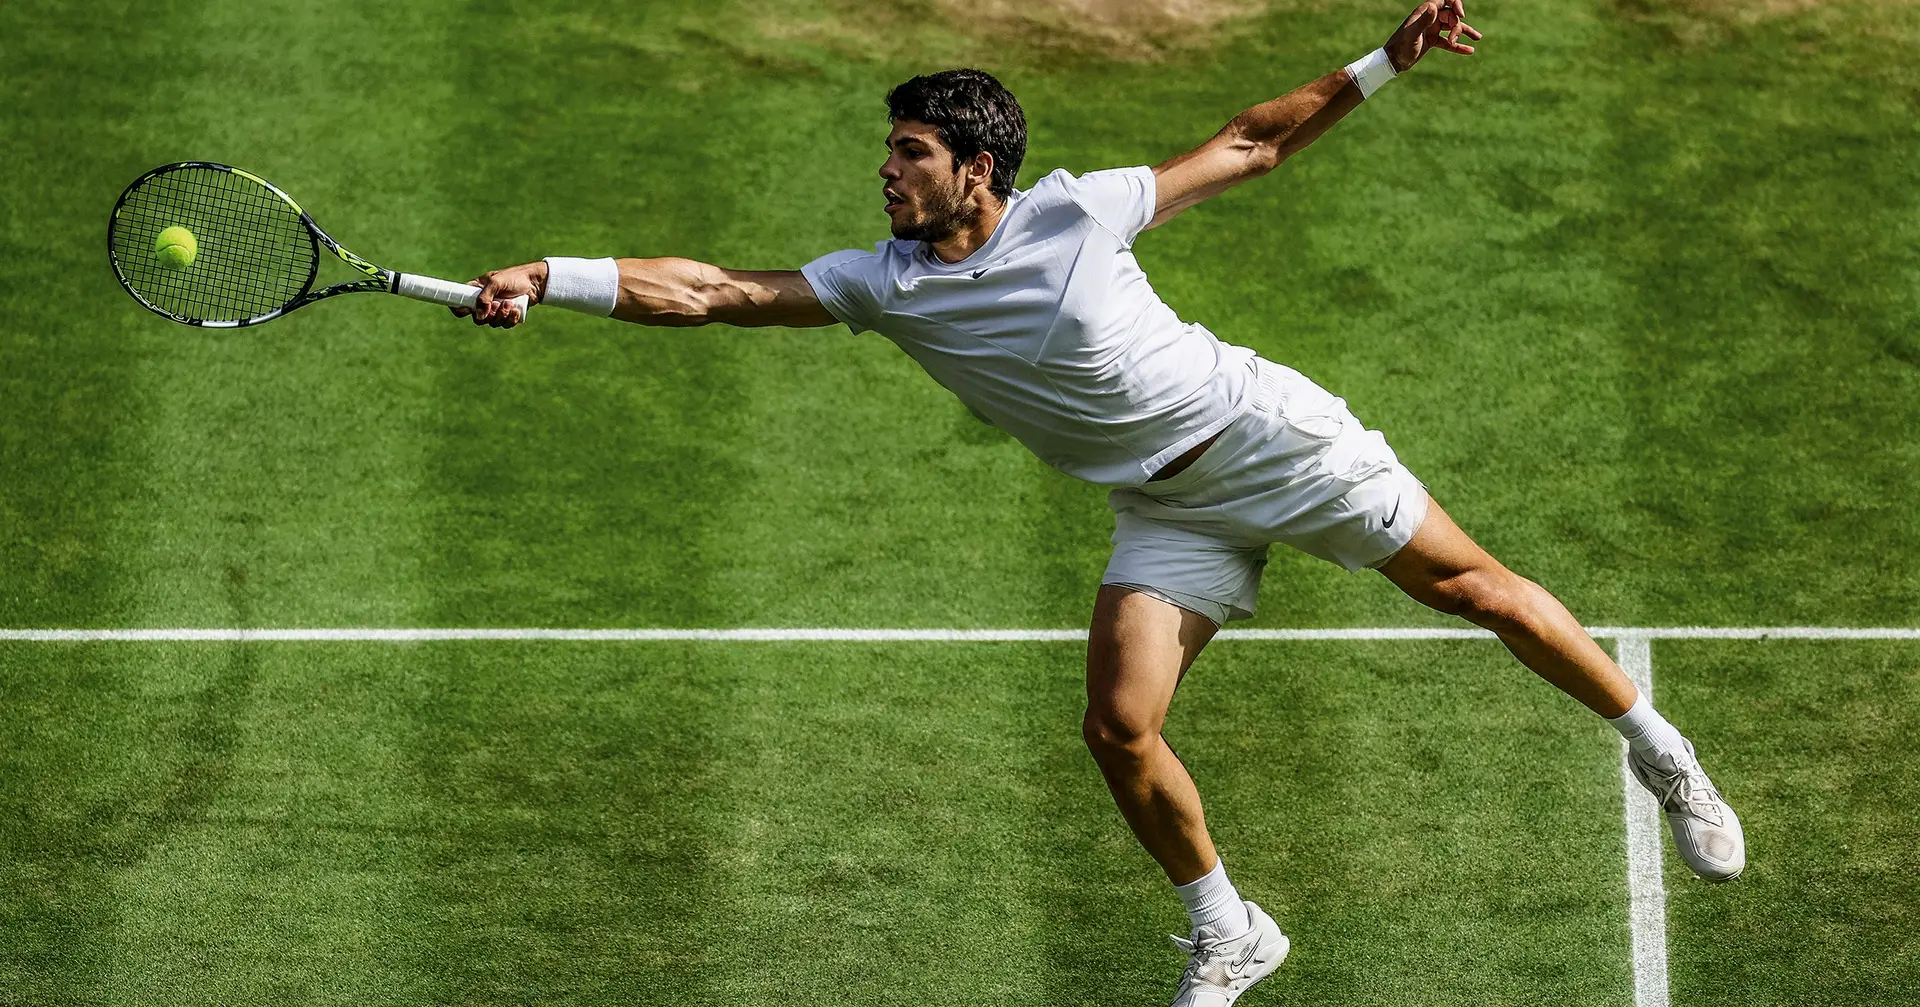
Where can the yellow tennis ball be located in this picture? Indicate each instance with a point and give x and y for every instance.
(175, 247)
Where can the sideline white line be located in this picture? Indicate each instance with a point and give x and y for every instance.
(806, 634)
(1647, 905)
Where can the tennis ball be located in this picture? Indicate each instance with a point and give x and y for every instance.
(175, 247)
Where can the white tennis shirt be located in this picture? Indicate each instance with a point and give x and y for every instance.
(1050, 330)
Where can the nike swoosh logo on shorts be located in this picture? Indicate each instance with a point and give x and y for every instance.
(1388, 523)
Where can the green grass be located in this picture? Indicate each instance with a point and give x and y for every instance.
(1820, 736)
(1634, 291)
(463, 824)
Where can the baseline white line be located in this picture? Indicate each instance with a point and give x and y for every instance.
(589, 635)
(1647, 896)
(1757, 632)
(1357, 633)
(806, 634)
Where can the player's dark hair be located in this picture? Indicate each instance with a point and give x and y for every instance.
(972, 113)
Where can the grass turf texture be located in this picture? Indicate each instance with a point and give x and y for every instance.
(1633, 291)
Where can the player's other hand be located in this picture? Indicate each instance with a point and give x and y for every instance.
(1435, 24)
(499, 288)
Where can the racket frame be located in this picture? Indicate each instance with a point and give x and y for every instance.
(379, 279)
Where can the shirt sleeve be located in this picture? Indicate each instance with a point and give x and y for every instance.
(1119, 199)
(839, 280)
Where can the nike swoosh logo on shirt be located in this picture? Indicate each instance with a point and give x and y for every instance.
(978, 273)
(1388, 523)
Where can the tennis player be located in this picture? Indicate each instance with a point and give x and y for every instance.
(1030, 307)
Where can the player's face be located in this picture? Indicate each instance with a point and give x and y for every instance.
(926, 195)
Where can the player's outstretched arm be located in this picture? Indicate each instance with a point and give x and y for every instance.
(1257, 140)
(661, 292)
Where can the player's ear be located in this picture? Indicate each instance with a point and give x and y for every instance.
(980, 170)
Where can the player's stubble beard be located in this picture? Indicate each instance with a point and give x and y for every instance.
(947, 213)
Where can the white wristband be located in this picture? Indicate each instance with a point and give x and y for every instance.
(1370, 71)
(591, 286)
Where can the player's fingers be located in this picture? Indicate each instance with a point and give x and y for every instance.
(483, 300)
(1471, 32)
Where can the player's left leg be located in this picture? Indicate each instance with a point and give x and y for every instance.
(1445, 569)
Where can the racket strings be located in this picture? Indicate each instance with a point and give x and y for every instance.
(254, 255)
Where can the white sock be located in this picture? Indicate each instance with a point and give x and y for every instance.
(1648, 733)
(1212, 903)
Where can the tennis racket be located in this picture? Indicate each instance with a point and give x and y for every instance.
(257, 252)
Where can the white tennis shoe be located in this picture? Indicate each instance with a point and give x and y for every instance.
(1221, 970)
(1706, 832)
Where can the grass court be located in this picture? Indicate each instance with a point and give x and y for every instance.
(1634, 291)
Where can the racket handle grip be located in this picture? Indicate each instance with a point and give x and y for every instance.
(447, 292)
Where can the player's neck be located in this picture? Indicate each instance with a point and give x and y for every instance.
(966, 242)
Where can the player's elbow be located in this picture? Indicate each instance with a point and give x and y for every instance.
(1257, 151)
(1264, 157)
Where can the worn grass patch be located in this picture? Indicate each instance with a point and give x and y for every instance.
(997, 31)
(1814, 24)
(1122, 29)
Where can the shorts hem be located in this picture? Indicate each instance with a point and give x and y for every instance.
(1217, 612)
(1413, 528)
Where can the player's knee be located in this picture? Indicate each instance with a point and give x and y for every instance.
(1112, 735)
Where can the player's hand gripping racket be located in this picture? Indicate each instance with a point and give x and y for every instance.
(208, 244)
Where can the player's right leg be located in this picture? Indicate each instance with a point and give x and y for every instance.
(1137, 651)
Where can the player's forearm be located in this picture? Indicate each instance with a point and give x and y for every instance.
(1275, 130)
(1254, 143)
(684, 292)
(652, 292)
(668, 292)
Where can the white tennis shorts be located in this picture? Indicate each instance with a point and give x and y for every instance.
(1295, 468)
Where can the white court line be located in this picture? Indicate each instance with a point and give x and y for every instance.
(1646, 893)
(1758, 632)
(817, 634)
